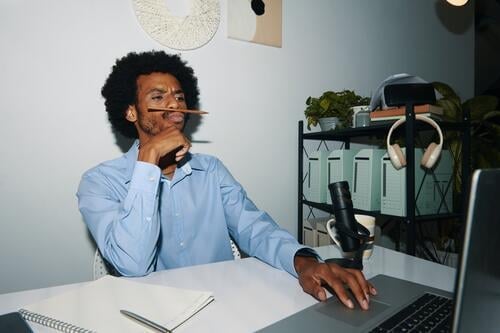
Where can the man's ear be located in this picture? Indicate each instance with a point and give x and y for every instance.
(131, 114)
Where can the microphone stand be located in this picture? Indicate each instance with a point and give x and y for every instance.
(352, 235)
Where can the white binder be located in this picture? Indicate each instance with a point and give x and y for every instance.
(366, 179)
(428, 193)
(316, 185)
(339, 168)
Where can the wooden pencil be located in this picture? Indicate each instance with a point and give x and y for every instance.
(158, 109)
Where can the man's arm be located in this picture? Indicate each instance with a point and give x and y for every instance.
(123, 218)
(255, 232)
(314, 276)
(258, 235)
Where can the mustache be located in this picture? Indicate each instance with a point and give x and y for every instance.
(158, 109)
(167, 114)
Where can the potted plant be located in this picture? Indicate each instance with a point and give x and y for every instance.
(484, 145)
(333, 105)
(485, 127)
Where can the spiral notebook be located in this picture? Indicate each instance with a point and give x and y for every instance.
(95, 307)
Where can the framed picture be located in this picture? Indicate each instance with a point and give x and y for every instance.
(257, 21)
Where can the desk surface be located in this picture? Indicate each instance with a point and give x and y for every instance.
(249, 294)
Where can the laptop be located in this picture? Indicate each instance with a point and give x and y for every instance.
(403, 306)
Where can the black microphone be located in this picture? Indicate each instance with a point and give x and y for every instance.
(345, 222)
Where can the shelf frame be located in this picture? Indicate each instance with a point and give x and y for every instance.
(380, 130)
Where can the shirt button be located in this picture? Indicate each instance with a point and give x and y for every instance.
(181, 244)
(177, 214)
(151, 179)
(148, 219)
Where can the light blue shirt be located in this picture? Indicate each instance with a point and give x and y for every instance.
(143, 222)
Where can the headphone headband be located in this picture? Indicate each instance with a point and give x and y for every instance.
(417, 117)
(431, 154)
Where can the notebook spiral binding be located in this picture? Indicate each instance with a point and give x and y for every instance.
(52, 323)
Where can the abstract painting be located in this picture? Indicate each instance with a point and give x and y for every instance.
(257, 21)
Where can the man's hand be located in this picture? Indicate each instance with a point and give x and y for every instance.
(168, 140)
(314, 275)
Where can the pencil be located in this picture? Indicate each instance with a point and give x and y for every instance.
(158, 109)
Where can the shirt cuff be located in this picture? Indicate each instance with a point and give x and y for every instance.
(289, 253)
(308, 252)
(146, 177)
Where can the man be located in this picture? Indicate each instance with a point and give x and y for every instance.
(160, 207)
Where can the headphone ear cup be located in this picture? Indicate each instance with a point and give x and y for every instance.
(431, 155)
(396, 155)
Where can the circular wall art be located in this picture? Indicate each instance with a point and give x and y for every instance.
(181, 33)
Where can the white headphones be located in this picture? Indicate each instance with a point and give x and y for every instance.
(431, 154)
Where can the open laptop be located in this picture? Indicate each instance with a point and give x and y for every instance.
(400, 304)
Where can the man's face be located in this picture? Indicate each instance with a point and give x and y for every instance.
(157, 90)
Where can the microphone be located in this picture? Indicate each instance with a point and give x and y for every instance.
(351, 234)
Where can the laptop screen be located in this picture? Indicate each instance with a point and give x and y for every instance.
(477, 292)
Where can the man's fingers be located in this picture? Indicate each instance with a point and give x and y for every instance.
(314, 276)
(352, 282)
(182, 152)
(335, 281)
(365, 286)
(341, 293)
(319, 293)
(312, 286)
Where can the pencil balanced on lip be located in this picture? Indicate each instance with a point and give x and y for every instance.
(158, 109)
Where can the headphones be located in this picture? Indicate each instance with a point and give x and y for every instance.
(431, 154)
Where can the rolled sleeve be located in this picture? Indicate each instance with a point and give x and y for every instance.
(126, 231)
(254, 230)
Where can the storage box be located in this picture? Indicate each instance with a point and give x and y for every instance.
(366, 179)
(316, 183)
(339, 168)
(429, 189)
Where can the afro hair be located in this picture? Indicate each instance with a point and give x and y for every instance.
(120, 88)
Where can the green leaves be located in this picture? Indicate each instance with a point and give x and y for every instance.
(479, 106)
(333, 104)
(485, 124)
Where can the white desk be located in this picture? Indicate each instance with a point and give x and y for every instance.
(249, 294)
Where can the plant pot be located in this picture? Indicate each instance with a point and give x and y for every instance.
(328, 123)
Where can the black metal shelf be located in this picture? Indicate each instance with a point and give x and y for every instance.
(373, 130)
(379, 130)
(429, 217)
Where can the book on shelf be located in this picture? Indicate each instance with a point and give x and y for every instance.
(393, 118)
(401, 111)
(95, 307)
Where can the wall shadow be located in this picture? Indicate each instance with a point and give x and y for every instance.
(455, 19)
(121, 141)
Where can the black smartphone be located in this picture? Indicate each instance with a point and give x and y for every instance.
(14, 323)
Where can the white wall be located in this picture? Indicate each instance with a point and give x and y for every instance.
(55, 56)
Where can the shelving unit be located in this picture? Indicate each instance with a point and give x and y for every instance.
(379, 131)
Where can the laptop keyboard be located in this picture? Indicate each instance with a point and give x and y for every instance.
(429, 313)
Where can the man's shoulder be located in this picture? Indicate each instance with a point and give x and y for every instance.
(115, 167)
(204, 162)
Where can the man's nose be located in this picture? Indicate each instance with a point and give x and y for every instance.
(173, 103)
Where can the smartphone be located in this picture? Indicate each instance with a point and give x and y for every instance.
(14, 322)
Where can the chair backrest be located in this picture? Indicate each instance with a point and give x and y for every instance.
(100, 268)
(234, 248)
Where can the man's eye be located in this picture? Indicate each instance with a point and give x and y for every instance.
(157, 98)
(179, 97)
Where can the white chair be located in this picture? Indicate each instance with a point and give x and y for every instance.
(236, 251)
(101, 268)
